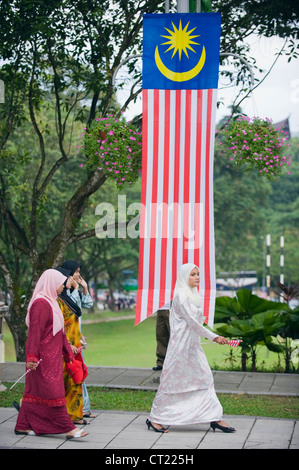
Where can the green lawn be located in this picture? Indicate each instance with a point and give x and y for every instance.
(102, 398)
(121, 343)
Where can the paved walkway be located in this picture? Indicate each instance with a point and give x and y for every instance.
(112, 430)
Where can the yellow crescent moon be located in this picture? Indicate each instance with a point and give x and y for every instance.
(180, 76)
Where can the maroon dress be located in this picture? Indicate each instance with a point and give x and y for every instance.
(43, 407)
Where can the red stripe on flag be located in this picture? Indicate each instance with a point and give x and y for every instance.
(165, 200)
(234, 342)
(207, 209)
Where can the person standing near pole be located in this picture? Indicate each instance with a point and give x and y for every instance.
(162, 336)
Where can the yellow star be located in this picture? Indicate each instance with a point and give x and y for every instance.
(180, 40)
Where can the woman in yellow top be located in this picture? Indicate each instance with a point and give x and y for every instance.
(71, 313)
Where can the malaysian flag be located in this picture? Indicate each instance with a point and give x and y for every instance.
(180, 79)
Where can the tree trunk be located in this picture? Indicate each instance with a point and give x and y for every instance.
(111, 290)
(244, 359)
(253, 357)
(15, 320)
(287, 356)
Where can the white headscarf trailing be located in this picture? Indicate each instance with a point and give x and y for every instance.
(182, 287)
(46, 288)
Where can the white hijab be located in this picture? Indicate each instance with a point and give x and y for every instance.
(182, 287)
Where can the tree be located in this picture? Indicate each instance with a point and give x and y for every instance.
(64, 72)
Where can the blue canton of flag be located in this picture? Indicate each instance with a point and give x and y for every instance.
(181, 51)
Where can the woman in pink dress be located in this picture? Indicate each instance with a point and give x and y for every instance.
(186, 394)
(43, 409)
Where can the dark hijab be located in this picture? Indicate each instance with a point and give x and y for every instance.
(71, 266)
(65, 297)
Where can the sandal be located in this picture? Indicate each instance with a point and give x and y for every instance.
(80, 433)
(81, 421)
(25, 433)
(89, 414)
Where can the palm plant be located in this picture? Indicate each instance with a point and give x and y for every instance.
(254, 320)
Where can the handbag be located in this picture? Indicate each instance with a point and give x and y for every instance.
(77, 369)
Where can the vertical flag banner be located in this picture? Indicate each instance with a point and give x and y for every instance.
(180, 80)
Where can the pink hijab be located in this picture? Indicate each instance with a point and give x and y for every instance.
(46, 288)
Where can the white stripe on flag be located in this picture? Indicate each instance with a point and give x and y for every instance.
(177, 221)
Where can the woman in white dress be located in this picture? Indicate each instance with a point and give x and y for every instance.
(186, 394)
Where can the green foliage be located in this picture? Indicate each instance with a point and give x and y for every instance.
(252, 319)
(243, 306)
(206, 5)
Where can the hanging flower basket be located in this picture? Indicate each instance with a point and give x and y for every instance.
(255, 144)
(112, 146)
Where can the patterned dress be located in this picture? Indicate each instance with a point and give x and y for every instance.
(186, 394)
(73, 392)
(43, 407)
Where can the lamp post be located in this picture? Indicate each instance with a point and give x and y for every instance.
(183, 6)
(281, 259)
(2, 91)
(268, 263)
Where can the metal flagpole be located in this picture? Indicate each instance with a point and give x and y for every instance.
(183, 6)
(268, 263)
(281, 259)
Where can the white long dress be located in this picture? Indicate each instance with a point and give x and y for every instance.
(186, 394)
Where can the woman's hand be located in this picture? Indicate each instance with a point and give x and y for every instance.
(220, 340)
(74, 284)
(31, 365)
(83, 284)
(74, 349)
